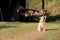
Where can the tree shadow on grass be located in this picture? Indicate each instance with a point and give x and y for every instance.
(1, 27)
(52, 29)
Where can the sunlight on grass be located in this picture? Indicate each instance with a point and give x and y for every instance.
(15, 29)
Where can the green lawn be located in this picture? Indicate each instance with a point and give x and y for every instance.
(27, 31)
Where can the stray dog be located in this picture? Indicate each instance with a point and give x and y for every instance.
(42, 23)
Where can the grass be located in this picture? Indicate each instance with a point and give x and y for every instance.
(52, 5)
(33, 3)
(27, 31)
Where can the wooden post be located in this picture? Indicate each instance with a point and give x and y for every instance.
(27, 6)
(43, 12)
(1, 15)
(27, 11)
(42, 4)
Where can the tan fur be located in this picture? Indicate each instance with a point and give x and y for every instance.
(41, 25)
(42, 22)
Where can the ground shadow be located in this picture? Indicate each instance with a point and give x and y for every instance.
(1, 27)
(52, 29)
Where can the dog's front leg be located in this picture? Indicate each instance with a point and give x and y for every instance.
(38, 28)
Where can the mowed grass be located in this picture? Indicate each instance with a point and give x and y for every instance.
(28, 31)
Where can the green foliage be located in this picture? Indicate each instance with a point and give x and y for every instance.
(33, 3)
(52, 5)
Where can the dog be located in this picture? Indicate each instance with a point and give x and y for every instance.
(42, 22)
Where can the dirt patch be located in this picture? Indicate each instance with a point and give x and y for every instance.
(34, 35)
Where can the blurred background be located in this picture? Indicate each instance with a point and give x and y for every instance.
(18, 10)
